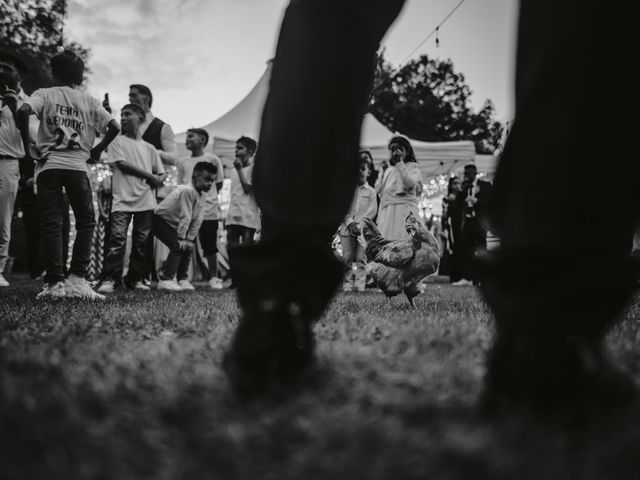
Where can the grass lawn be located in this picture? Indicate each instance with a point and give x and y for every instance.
(132, 389)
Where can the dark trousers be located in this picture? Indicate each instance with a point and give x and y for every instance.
(28, 203)
(117, 243)
(177, 262)
(319, 90)
(238, 235)
(52, 205)
(473, 242)
(563, 269)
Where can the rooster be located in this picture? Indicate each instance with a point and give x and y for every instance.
(399, 265)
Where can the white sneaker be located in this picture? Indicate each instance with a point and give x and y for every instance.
(170, 285)
(78, 287)
(54, 290)
(143, 287)
(107, 286)
(216, 283)
(463, 283)
(186, 285)
(3, 281)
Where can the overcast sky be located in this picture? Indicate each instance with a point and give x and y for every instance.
(200, 57)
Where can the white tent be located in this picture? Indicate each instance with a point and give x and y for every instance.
(434, 158)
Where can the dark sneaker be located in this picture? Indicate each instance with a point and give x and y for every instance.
(567, 377)
(271, 349)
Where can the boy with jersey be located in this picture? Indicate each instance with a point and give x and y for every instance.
(176, 223)
(11, 151)
(243, 216)
(69, 119)
(137, 171)
(197, 139)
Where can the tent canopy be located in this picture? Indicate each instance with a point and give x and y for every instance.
(434, 158)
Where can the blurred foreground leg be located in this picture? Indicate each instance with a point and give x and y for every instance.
(304, 179)
(563, 271)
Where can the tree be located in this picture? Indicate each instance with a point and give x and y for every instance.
(31, 31)
(427, 100)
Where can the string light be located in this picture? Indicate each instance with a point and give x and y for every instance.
(435, 31)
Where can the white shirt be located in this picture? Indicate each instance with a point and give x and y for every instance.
(69, 119)
(183, 210)
(243, 209)
(131, 193)
(185, 172)
(10, 140)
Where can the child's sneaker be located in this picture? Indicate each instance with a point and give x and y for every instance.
(170, 285)
(139, 285)
(78, 287)
(216, 283)
(186, 285)
(53, 290)
(3, 281)
(107, 286)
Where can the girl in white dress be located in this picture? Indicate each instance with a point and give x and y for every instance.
(399, 187)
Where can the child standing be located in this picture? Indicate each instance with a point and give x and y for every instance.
(197, 139)
(243, 216)
(69, 119)
(365, 205)
(176, 223)
(137, 171)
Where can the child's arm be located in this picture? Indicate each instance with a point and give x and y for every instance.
(186, 211)
(153, 180)
(409, 174)
(196, 221)
(22, 122)
(112, 132)
(246, 184)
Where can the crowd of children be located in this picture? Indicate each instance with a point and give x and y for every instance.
(51, 160)
(185, 218)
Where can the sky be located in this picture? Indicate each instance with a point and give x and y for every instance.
(201, 57)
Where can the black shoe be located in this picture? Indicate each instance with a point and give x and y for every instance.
(557, 378)
(271, 350)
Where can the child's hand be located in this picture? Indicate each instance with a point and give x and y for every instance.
(185, 245)
(94, 155)
(237, 164)
(354, 229)
(155, 182)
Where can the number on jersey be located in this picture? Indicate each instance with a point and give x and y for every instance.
(62, 143)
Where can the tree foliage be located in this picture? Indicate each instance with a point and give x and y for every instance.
(31, 31)
(427, 100)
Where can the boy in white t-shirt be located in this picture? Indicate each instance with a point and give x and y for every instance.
(69, 119)
(243, 216)
(196, 141)
(138, 170)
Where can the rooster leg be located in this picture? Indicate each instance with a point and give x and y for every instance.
(411, 302)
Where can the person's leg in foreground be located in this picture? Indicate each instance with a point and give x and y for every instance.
(319, 89)
(569, 252)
